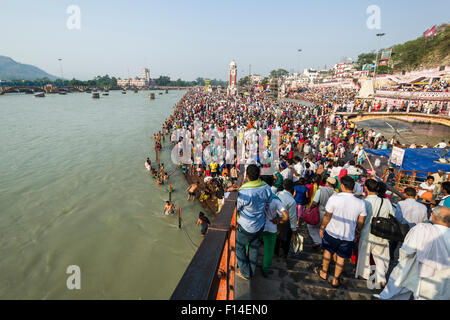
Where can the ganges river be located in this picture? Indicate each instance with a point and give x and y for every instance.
(418, 133)
(74, 191)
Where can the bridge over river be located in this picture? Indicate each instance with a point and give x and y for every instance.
(55, 88)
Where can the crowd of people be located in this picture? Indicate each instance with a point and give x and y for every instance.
(320, 173)
(323, 95)
(343, 231)
(435, 86)
(344, 100)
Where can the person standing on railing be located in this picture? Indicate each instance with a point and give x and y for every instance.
(253, 198)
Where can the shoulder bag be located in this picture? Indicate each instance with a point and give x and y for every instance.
(388, 228)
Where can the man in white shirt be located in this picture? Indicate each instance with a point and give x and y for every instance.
(306, 149)
(344, 215)
(439, 178)
(441, 145)
(427, 187)
(424, 266)
(312, 165)
(411, 211)
(287, 172)
(352, 170)
(336, 170)
(327, 132)
(298, 168)
(369, 244)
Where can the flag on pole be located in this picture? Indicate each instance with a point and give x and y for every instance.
(383, 62)
(430, 33)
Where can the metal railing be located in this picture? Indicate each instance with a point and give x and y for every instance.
(210, 274)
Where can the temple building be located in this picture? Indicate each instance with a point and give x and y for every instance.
(136, 82)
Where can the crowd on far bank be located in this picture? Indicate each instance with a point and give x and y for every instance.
(324, 95)
(436, 86)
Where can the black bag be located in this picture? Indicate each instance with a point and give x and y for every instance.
(388, 228)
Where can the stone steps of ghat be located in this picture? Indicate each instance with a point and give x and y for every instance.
(292, 278)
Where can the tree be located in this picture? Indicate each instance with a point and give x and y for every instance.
(244, 81)
(216, 82)
(278, 73)
(200, 81)
(366, 58)
(384, 70)
(162, 81)
(265, 81)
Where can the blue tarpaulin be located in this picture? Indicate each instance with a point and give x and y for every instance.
(416, 160)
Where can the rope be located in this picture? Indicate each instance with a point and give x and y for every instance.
(192, 242)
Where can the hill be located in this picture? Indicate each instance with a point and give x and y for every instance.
(428, 53)
(12, 70)
(422, 51)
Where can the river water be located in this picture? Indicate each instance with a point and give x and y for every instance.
(418, 133)
(74, 191)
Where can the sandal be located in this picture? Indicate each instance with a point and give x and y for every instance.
(340, 281)
(240, 275)
(317, 271)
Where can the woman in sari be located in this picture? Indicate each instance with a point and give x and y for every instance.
(313, 187)
(342, 173)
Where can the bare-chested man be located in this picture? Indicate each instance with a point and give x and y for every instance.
(191, 191)
(169, 208)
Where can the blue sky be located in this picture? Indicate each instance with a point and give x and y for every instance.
(197, 38)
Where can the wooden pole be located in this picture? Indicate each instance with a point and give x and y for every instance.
(179, 218)
(370, 163)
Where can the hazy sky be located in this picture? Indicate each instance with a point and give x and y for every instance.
(190, 39)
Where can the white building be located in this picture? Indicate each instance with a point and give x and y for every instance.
(136, 82)
(255, 78)
(344, 70)
(311, 74)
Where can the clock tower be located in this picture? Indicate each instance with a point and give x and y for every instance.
(232, 83)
